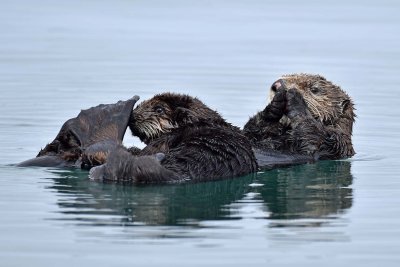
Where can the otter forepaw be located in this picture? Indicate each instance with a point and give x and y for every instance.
(275, 109)
(296, 106)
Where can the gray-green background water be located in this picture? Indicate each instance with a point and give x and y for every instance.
(57, 57)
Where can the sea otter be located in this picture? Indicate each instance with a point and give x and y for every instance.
(86, 140)
(308, 115)
(186, 141)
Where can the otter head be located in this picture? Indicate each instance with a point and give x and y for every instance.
(168, 111)
(326, 101)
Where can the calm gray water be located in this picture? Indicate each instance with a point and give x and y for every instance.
(57, 57)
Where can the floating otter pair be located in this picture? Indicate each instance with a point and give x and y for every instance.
(308, 118)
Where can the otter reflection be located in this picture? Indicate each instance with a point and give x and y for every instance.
(306, 191)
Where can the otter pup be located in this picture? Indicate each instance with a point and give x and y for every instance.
(185, 139)
(307, 115)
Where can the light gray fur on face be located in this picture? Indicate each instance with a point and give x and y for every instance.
(323, 98)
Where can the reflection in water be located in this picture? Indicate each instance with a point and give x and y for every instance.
(152, 205)
(306, 191)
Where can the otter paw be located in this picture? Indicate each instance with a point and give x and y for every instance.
(276, 108)
(296, 106)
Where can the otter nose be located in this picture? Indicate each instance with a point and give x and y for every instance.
(277, 85)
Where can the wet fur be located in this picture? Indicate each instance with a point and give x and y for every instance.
(307, 115)
(196, 143)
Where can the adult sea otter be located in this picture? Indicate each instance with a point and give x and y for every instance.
(308, 115)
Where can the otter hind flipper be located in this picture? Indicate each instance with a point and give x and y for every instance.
(103, 122)
(96, 130)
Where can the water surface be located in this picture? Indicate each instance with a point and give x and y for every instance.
(57, 57)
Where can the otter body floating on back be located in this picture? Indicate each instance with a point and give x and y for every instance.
(185, 140)
(307, 115)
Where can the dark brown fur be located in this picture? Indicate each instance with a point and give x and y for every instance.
(196, 143)
(307, 115)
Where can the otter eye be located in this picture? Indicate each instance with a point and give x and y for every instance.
(159, 110)
(314, 90)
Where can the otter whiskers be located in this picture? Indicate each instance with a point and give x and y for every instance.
(154, 128)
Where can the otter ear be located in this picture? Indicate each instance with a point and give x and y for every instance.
(184, 116)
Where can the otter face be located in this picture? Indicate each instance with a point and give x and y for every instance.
(166, 112)
(151, 119)
(326, 101)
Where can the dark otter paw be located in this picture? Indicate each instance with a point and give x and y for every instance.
(296, 106)
(275, 110)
